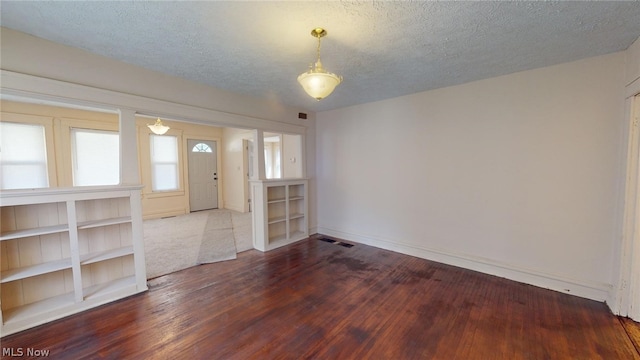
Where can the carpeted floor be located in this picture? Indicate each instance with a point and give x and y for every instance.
(179, 242)
(217, 242)
(242, 231)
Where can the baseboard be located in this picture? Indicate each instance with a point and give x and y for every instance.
(593, 291)
(164, 213)
(614, 304)
(313, 231)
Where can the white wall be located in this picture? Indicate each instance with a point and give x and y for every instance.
(291, 156)
(632, 71)
(514, 175)
(310, 153)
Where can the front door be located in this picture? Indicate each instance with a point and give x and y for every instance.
(203, 175)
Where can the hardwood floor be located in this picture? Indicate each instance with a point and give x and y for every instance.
(633, 330)
(319, 300)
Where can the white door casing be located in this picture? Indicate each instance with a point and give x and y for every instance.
(634, 248)
(203, 174)
(247, 146)
(627, 291)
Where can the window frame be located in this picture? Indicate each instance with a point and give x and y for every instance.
(47, 123)
(65, 157)
(144, 151)
(204, 150)
(273, 157)
(177, 164)
(74, 155)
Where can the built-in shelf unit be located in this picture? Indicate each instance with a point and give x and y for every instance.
(65, 250)
(283, 215)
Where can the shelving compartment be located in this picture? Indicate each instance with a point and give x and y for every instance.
(104, 277)
(297, 228)
(276, 194)
(67, 250)
(296, 192)
(276, 212)
(105, 244)
(277, 225)
(297, 212)
(281, 214)
(35, 260)
(277, 232)
(102, 212)
(32, 256)
(296, 207)
(23, 221)
(33, 296)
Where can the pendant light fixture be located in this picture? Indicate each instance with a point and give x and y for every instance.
(158, 128)
(318, 82)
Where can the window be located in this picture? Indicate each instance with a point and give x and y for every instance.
(96, 157)
(164, 162)
(201, 147)
(23, 156)
(272, 157)
(283, 156)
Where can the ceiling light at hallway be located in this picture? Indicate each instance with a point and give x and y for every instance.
(318, 82)
(158, 128)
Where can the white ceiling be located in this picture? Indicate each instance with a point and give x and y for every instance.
(382, 49)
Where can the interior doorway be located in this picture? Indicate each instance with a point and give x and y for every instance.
(203, 174)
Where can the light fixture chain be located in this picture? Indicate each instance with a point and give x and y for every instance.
(317, 82)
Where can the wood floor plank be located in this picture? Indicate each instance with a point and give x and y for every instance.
(633, 331)
(315, 299)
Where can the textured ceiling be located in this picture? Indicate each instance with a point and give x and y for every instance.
(382, 49)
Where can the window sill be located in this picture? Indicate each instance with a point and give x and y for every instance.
(162, 194)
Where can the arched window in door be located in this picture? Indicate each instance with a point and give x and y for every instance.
(201, 147)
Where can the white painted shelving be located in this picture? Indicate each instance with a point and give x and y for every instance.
(283, 217)
(65, 250)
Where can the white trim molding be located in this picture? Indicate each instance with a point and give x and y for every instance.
(625, 297)
(633, 88)
(17, 85)
(589, 290)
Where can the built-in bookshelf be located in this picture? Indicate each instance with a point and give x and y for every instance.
(65, 250)
(283, 217)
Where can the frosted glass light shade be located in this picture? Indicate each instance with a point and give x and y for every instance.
(158, 128)
(319, 83)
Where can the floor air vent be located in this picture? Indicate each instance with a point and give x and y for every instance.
(335, 242)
